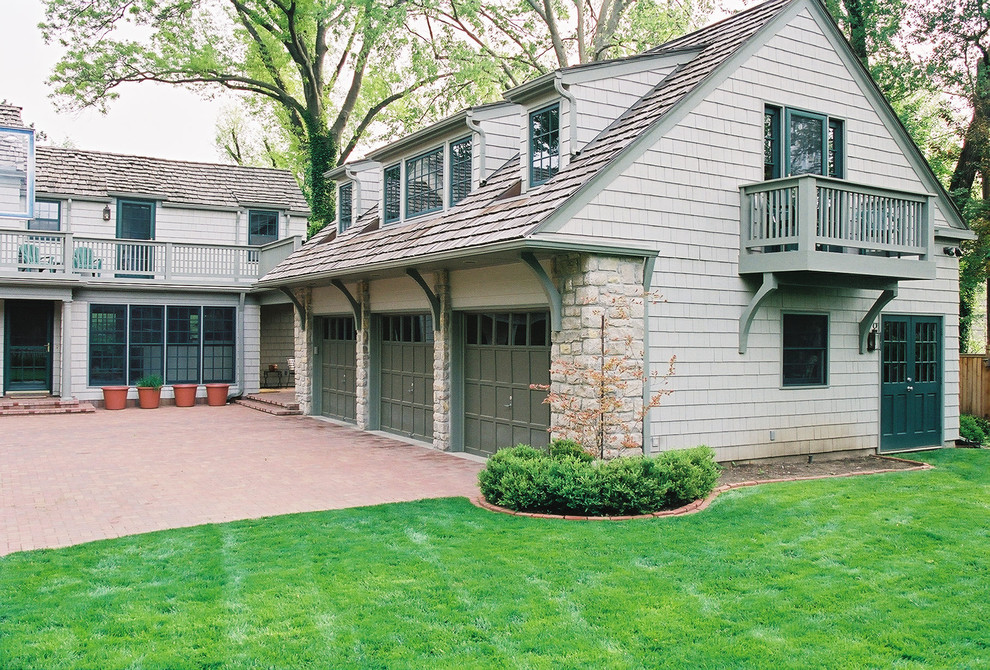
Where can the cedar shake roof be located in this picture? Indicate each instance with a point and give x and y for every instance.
(484, 218)
(73, 172)
(10, 116)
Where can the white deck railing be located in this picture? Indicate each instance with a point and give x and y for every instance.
(821, 215)
(66, 254)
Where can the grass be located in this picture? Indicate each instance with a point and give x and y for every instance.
(888, 571)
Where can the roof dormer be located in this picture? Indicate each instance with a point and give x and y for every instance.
(358, 186)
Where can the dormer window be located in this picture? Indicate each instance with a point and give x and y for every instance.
(544, 144)
(796, 143)
(460, 170)
(424, 183)
(393, 193)
(345, 200)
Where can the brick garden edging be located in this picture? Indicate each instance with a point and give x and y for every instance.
(697, 505)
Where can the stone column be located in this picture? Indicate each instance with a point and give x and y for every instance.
(441, 363)
(362, 384)
(602, 300)
(304, 350)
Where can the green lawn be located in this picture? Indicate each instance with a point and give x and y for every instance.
(888, 571)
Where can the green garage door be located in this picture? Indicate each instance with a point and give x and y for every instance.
(338, 368)
(407, 375)
(504, 353)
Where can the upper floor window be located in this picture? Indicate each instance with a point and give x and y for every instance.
(262, 227)
(544, 144)
(345, 206)
(424, 183)
(393, 193)
(47, 215)
(460, 170)
(796, 143)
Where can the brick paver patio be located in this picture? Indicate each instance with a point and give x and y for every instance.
(76, 478)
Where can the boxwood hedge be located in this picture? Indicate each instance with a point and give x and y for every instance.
(562, 481)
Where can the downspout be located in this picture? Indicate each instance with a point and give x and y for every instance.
(473, 124)
(564, 91)
(648, 265)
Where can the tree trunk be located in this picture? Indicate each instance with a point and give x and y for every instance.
(857, 30)
(323, 150)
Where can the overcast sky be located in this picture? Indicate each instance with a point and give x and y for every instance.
(147, 119)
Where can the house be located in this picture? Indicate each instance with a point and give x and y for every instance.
(113, 267)
(749, 172)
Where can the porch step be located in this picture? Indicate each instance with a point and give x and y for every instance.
(14, 406)
(266, 402)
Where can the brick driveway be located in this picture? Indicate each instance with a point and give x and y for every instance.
(74, 478)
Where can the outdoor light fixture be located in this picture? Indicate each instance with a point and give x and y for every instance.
(106, 213)
(952, 251)
(871, 339)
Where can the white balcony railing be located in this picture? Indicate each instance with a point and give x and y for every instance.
(63, 253)
(830, 225)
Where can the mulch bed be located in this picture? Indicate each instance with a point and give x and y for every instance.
(784, 470)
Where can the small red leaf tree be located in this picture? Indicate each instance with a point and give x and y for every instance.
(598, 398)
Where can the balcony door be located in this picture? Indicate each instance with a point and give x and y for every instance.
(28, 345)
(135, 221)
(911, 383)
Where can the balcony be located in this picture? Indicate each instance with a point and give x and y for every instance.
(42, 255)
(812, 224)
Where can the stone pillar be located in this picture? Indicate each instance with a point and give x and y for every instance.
(362, 382)
(602, 300)
(304, 351)
(441, 363)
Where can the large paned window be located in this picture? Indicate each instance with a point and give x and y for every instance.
(460, 170)
(184, 344)
(345, 206)
(796, 143)
(544, 144)
(146, 353)
(218, 344)
(47, 215)
(424, 183)
(393, 193)
(805, 350)
(262, 227)
(107, 345)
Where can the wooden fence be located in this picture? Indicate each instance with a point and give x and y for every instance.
(974, 385)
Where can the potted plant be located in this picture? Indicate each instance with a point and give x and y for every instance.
(185, 394)
(115, 397)
(150, 391)
(216, 394)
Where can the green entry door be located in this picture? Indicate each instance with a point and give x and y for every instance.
(911, 383)
(406, 381)
(28, 346)
(338, 368)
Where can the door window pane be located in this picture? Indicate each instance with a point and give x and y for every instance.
(182, 345)
(806, 135)
(218, 344)
(147, 335)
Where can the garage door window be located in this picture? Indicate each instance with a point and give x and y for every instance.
(507, 329)
(407, 328)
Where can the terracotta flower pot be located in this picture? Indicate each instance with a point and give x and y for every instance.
(185, 394)
(216, 394)
(149, 397)
(115, 397)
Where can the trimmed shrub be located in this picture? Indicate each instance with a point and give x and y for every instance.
(970, 428)
(560, 481)
(563, 447)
